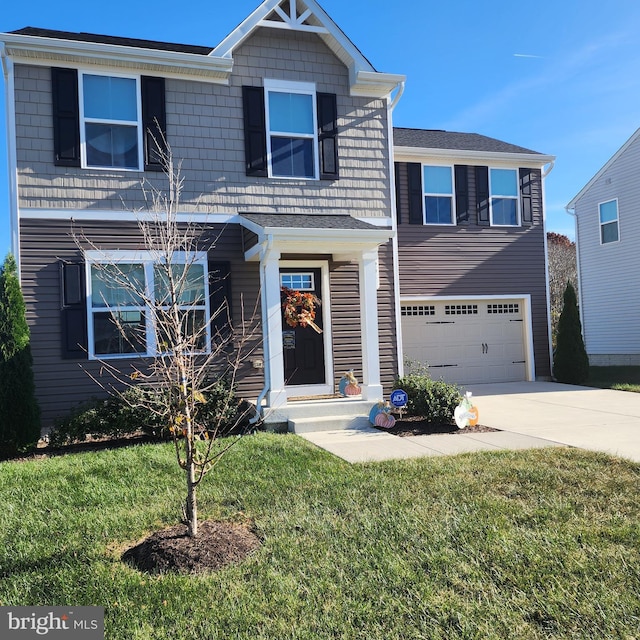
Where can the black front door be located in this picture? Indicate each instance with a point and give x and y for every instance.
(303, 347)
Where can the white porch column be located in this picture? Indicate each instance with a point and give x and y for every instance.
(368, 270)
(272, 329)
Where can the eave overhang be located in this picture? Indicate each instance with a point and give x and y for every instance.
(415, 154)
(39, 50)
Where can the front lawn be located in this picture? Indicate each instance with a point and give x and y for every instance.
(621, 378)
(537, 544)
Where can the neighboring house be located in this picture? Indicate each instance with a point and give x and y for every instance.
(607, 219)
(285, 135)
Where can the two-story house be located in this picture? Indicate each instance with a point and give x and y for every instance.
(285, 135)
(607, 226)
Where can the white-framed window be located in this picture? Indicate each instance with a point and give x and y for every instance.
(291, 129)
(127, 295)
(608, 214)
(110, 121)
(438, 191)
(303, 281)
(503, 189)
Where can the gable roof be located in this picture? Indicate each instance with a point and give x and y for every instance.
(605, 168)
(420, 142)
(210, 64)
(308, 16)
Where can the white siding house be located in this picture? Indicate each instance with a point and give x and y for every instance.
(607, 219)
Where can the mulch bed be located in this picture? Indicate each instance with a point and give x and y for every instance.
(217, 545)
(418, 426)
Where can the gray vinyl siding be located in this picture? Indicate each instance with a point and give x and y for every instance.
(472, 260)
(61, 384)
(205, 131)
(610, 273)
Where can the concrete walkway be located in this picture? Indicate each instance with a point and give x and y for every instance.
(528, 414)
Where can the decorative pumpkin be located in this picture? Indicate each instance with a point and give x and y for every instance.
(384, 420)
(348, 385)
(380, 415)
(300, 308)
(466, 414)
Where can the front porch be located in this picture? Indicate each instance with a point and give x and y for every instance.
(336, 257)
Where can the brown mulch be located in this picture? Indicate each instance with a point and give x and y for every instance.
(217, 545)
(418, 426)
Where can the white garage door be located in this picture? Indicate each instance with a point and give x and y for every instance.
(467, 341)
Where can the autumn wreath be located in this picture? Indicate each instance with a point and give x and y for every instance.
(300, 308)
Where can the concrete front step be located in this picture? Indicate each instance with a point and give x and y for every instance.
(334, 407)
(328, 423)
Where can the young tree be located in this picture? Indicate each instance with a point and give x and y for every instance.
(197, 357)
(561, 257)
(570, 362)
(19, 411)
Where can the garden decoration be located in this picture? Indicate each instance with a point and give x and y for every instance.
(380, 415)
(300, 308)
(466, 414)
(348, 385)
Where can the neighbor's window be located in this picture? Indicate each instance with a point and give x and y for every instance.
(438, 194)
(110, 130)
(121, 293)
(503, 186)
(609, 222)
(291, 129)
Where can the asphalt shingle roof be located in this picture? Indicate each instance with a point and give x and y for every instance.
(438, 139)
(115, 40)
(309, 221)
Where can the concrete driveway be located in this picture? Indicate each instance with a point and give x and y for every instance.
(595, 419)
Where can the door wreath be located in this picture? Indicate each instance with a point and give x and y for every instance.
(300, 308)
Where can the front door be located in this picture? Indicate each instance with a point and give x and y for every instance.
(303, 347)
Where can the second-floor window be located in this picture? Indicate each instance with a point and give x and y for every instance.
(437, 184)
(110, 121)
(503, 186)
(291, 129)
(609, 222)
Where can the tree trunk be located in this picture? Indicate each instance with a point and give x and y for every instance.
(192, 505)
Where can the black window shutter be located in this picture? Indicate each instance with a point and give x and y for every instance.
(220, 298)
(482, 194)
(528, 177)
(414, 171)
(327, 108)
(255, 131)
(154, 122)
(66, 117)
(398, 198)
(462, 193)
(73, 311)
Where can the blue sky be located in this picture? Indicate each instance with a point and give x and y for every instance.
(559, 77)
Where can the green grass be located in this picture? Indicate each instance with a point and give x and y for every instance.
(536, 544)
(621, 378)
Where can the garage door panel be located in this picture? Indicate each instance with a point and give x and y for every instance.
(468, 341)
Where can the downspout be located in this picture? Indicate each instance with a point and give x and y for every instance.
(394, 226)
(266, 252)
(547, 286)
(12, 165)
(573, 214)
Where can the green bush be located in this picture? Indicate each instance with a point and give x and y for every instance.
(144, 409)
(570, 360)
(19, 411)
(434, 400)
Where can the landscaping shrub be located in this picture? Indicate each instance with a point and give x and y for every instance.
(434, 400)
(125, 414)
(19, 411)
(570, 360)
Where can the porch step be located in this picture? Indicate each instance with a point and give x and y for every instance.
(330, 423)
(327, 408)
